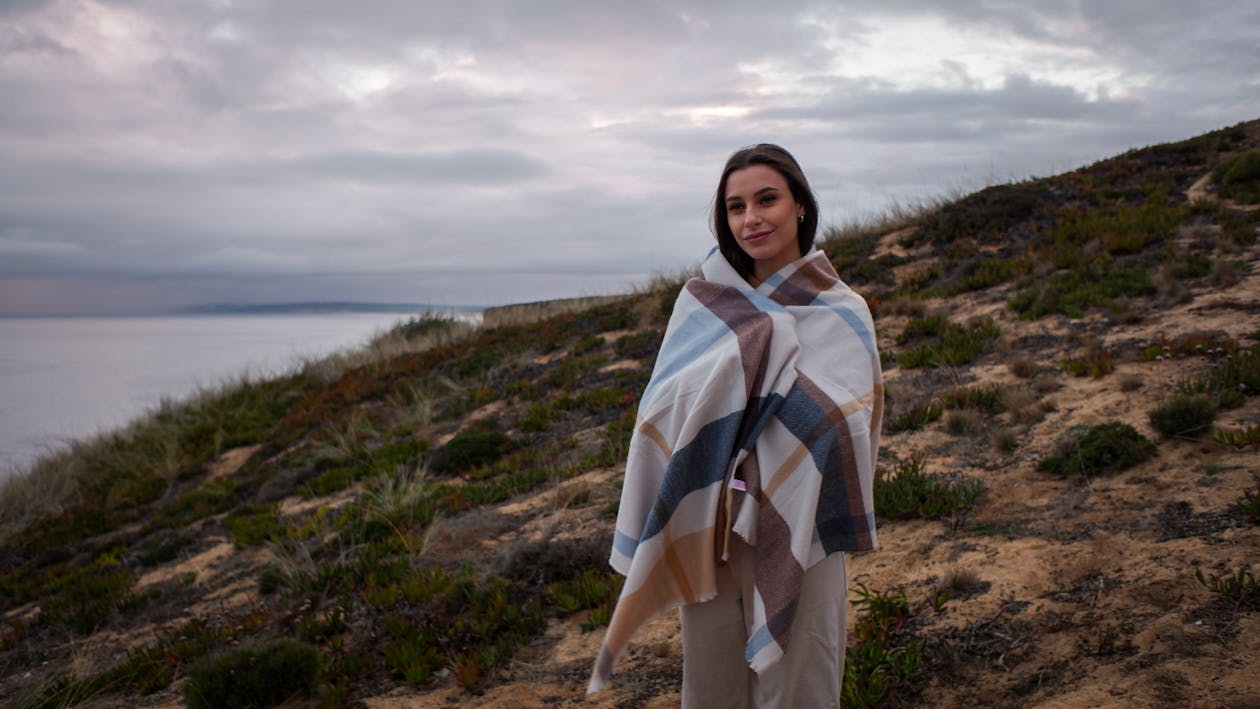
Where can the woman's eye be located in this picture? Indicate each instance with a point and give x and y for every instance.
(734, 208)
(768, 199)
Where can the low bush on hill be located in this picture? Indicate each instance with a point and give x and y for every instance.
(936, 341)
(1105, 448)
(469, 450)
(912, 493)
(593, 590)
(1238, 177)
(914, 419)
(1244, 436)
(1184, 416)
(1240, 587)
(86, 599)
(1227, 385)
(264, 674)
(1071, 292)
(989, 398)
(885, 660)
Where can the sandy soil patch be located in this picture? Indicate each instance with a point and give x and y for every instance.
(230, 462)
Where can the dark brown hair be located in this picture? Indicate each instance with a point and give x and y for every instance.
(782, 162)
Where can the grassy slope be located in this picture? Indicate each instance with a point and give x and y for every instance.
(425, 514)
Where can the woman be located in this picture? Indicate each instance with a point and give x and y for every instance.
(750, 469)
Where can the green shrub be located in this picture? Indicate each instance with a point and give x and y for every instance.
(428, 324)
(1245, 436)
(476, 361)
(164, 546)
(941, 342)
(1184, 416)
(1241, 587)
(932, 326)
(209, 499)
(272, 579)
(1108, 447)
(1228, 384)
(986, 273)
(1095, 364)
(587, 344)
(1122, 227)
(471, 449)
(146, 670)
(1238, 177)
(915, 418)
(592, 589)
(988, 398)
(1072, 291)
(252, 525)
(913, 494)
(264, 674)
(986, 214)
(467, 624)
(89, 597)
(883, 660)
(1187, 265)
(641, 344)
(1239, 227)
(329, 481)
(1192, 344)
(851, 256)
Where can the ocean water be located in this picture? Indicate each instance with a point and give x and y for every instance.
(67, 378)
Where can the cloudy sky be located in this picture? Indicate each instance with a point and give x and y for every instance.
(158, 153)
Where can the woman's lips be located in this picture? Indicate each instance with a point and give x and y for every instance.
(758, 237)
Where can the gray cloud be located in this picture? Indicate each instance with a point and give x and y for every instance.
(483, 152)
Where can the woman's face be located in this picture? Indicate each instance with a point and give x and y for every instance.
(763, 216)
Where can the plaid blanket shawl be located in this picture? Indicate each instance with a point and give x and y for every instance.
(762, 417)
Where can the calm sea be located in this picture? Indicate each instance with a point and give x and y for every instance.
(65, 378)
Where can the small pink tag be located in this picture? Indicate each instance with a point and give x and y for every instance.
(738, 484)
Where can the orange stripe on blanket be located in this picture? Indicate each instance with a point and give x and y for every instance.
(654, 434)
(783, 472)
(663, 588)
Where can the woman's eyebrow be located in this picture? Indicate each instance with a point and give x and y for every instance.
(763, 190)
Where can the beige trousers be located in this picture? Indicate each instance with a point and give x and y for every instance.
(715, 674)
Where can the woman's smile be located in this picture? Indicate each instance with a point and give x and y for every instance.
(758, 237)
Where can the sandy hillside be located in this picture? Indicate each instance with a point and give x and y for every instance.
(1051, 591)
(1080, 593)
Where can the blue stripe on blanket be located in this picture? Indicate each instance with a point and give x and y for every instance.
(697, 465)
(759, 640)
(692, 338)
(854, 321)
(624, 544)
(839, 519)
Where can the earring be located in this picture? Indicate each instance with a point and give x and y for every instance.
(800, 219)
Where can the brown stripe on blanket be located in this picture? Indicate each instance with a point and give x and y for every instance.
(751, 326)
(839, 413)
(848, 474)
(804, 285)
(778, 574)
